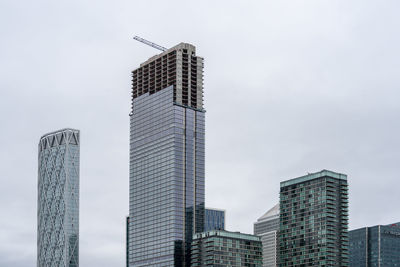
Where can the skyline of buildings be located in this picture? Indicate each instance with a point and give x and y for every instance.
(58, 199)
(60, 149)
(167, 201)
(168, 224)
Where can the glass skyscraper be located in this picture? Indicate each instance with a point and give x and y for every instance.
(214, 219)
(313, 228)
(267, 227)
(166, 202)
(58, 199)
(375, 246)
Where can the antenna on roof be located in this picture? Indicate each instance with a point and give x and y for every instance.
(156, 46)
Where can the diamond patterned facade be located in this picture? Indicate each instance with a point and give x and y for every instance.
(58, 199)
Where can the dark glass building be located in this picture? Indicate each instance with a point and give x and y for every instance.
(267, 227)
(214, 219)
(375, 246)
(313, 225)
(166, 202)
(58, 199)
(127, 241)
(223, 248)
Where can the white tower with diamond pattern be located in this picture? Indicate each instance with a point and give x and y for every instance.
(58, 199)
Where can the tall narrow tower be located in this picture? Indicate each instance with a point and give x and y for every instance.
(166, 201)
(58, 199)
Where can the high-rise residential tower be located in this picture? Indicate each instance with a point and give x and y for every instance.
(375, 246)
(267, 227)
(58, 199)
(314, 220)
(166, 202)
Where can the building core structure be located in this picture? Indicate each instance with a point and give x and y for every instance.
(58, 199)
(222, 248)
(166, 180)
(313, 228)
(267, 227)
(375, 246)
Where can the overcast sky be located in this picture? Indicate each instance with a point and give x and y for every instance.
(290, 87)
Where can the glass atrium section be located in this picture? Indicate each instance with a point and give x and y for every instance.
(214, 219)
(375, 246)
(58, 199)
(314, 220)
(166, 180)
(222, 248)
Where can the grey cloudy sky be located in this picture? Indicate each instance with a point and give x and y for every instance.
(290, 87)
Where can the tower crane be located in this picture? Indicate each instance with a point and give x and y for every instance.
(156, 46)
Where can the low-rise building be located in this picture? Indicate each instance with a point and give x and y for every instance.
(222, 248)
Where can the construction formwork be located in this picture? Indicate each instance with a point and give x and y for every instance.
(178, 66)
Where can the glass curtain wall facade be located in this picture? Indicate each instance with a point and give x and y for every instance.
(58, 199)
(166, 160)
(314, 220)
(267, 228)
(127, 241)
(214, 219)
(375, 246)
(222, 248)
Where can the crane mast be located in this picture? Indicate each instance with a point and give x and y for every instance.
(156, 46)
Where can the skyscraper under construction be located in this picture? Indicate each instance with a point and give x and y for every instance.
(166, 201)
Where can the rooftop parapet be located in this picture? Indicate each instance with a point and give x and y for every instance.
(312, 176)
